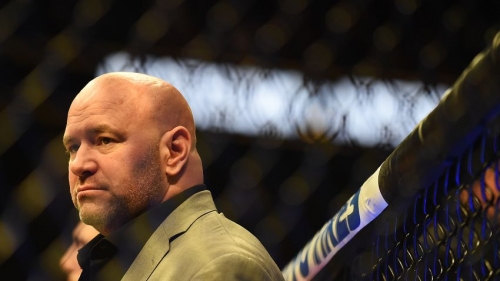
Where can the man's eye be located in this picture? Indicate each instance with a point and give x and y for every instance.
(72, 149)
(106, 140)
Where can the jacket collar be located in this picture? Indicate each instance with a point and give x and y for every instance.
(158, 245)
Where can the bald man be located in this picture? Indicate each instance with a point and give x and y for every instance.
(135, 175)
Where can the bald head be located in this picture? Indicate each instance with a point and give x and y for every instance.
(131, 141)
(147, 95)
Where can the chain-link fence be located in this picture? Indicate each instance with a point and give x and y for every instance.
(282, 189)
(449, 231)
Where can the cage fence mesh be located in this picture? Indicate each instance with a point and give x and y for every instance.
(281, 189)
(448, 231)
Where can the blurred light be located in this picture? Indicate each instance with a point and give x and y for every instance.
(454, 18)
(12, 15)
(253, 101)
(63, 47)
(407, 7)
(367, 68)
(198, 48)
(222, 16)
(33, 91)
(151, 26)
(9, 129)
(49, 262)
(270, 230)
(294, 191)
(246, 173)
(7, 241)
(293, 7)
(88, 12)
(318, 57)
(340, 18)
(55, 160)
(206, 151)
(169, 4)
(318, 122)
(17, 115)
(385, 38)
(38, 85)
(432, 55)
(32, 195)
(317, 157)
(270, 38)
(359, 125)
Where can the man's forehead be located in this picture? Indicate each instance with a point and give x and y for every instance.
(123, 86)
(102, 96)
(107, 89)
(96, 105)
(130, 96)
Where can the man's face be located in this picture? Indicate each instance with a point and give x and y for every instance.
(114, 165)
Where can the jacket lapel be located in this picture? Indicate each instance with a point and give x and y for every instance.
(158, 245)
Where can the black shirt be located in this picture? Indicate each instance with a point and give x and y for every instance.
(109, 257)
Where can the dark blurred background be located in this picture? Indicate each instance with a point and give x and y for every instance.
(281, 189)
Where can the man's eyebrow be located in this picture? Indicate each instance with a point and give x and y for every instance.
(102, 128)
(66, 140)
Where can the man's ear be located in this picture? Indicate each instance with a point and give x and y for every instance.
(175, 147)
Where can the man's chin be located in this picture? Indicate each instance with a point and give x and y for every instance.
(91, 215)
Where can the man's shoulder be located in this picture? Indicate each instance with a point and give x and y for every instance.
(216, 248)
(199, 212)
(203, 241)
(214, 227)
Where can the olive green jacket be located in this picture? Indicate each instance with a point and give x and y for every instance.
(195, 242)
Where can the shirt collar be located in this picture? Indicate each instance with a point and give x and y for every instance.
(125, 243)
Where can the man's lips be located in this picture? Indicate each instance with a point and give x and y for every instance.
(87, 190)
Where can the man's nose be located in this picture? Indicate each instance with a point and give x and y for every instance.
(83, 164)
